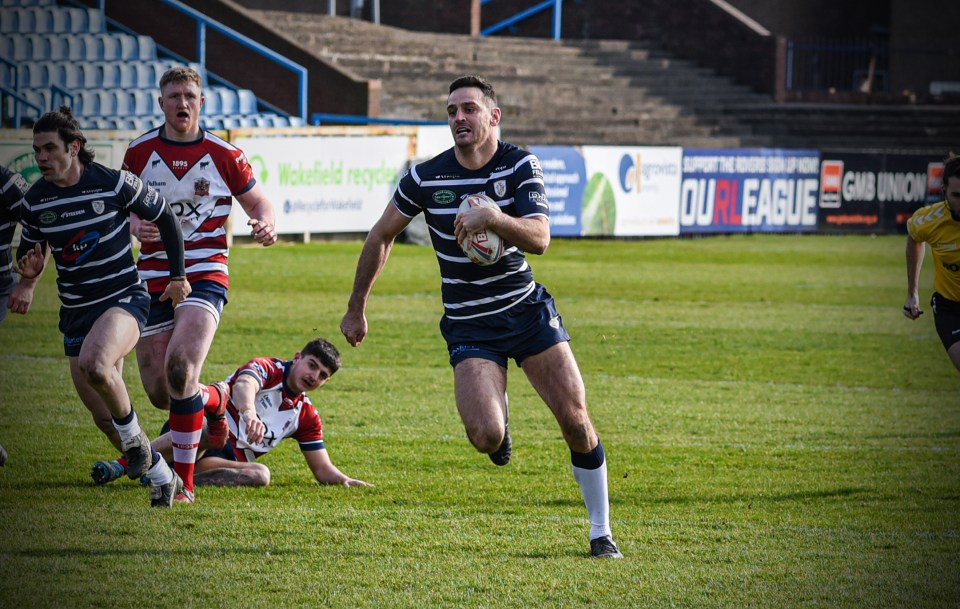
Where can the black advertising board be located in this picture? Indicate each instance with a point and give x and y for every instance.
(875, 192)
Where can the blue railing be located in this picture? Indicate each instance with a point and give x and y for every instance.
(203, 22)
(19, 100)
(557, 6)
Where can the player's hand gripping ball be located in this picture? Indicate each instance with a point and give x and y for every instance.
(484, 247)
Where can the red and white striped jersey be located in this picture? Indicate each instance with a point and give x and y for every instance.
(284, 414)
(198, 180)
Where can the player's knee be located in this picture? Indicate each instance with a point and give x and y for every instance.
(178, 373)
(261, 477)
(94, 370)
(486, 439)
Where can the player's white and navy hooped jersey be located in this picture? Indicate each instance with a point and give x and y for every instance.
(88, 229)
(198, 180)
(284, 414)
(513, 179)
(935, 225)
(12, 189)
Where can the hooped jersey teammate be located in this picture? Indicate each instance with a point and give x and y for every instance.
(12, 189)
(513, 178)
(935, 225)
(198, 179)
(88, 230)
(283, 413)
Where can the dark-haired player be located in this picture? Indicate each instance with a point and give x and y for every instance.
(267, 402)
(938, 225)
(79, 210)
(496, 312)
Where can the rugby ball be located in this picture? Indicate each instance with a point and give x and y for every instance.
(485, 247)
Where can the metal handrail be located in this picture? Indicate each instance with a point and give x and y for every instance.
(557, 6)
(203, 22)
(18, 100)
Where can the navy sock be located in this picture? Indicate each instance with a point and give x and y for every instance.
(590, 460)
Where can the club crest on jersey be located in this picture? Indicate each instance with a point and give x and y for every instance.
(98, 206)
(500, 187)
(201, 187)
(48, 217)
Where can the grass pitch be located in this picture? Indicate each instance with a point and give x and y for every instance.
(777, 435)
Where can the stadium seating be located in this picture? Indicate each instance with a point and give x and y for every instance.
(111, 78)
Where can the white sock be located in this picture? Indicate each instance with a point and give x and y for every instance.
(128, 431)
(593, 487)
(159, 473)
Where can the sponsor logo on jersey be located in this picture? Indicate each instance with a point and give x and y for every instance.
(444, 197)
(131, 179)
(98, 206)
(80, 247)
(48, 217)
(500, 187)
(201, 186)
(538, 197)
(70, 214)
(90, 190)
(151, 198)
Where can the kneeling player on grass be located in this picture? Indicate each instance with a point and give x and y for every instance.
(264, 401)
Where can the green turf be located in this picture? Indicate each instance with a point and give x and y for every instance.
(777, 433)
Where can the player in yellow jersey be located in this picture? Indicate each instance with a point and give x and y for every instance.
(938, 225)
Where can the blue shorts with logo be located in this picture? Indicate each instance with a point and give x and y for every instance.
(208, 295)
(76, 323)
(527, 328)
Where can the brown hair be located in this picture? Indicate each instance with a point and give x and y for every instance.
(65, 125)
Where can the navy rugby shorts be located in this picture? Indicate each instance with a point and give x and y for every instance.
(208, 295)
(946, 318)
(76, 323)
(527, 328)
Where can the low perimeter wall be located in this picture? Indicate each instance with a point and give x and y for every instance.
(330, 180)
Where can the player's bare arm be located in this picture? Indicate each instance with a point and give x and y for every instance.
(914, 253)
(376, 251)
(144, 230)
(326, 472)
(263, 224)
(244, 393)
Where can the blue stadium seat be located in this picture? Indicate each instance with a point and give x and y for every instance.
(229, 100)
(21, 48)
(247, 101)
(128, 75)
(73, 77)
(59, 46)
(77, 46)
(89, 47)
(38, 47)
(86, 103)
(146, 48)
(212, 104)
(113, 46)
(95, 21)
(60, 20)
(144, 103)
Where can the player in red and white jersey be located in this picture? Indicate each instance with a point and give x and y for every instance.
(198, 174)
(267, 403)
